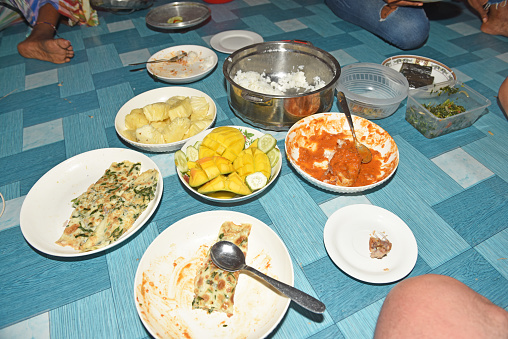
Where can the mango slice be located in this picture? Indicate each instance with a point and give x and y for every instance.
(252, 160)
(232, 183)
(224, 141)
(208, 168)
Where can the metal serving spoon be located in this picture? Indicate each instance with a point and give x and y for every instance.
(173, 59)
(362, 149)
(229, 257)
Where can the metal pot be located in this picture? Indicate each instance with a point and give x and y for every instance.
(279, 112)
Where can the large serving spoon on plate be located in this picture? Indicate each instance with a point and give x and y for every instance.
(362, 149)
(229, 257)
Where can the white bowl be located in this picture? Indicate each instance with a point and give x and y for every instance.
(177, 73)
(367, 132)
(150, 97)
(250, 135)
(443, 75)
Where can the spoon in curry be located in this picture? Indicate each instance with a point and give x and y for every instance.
(229, 257)
(362, 149)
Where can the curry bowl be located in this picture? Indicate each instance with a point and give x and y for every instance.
(311, 142)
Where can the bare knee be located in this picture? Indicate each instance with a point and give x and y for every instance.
(450, 306)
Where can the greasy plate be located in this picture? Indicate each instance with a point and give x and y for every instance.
(179, 73)
(230, 41)
(251, 135)
(192, 13)
(150, 97)
(346, 237)
(367, 132)
(42, 220)
(164, 282)
(442, 74)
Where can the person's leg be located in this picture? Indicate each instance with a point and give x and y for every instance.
(437, 306)
(405, 27)
(502, 96)
(41, 45)
(497, 22)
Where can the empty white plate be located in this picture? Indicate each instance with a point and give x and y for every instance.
(230, 41)
(346, 236)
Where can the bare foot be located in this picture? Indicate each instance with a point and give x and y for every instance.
(497, 22)
(57, 51)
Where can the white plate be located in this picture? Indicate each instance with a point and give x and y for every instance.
(42, 220)
(230, 41)
(150, 97)
(346, 236)
(251, 135)
(177, 73)
(171, 263)
(442, 74)
(367, 132)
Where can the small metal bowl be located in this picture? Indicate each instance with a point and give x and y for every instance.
(120, 5)
(192, 13)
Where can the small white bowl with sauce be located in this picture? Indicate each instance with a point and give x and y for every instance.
(310, 132)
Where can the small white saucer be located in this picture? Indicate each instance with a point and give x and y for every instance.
(230, 41)
(346, 237)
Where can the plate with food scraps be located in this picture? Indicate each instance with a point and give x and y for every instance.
(44, 220)
(250, 135)
(164, 281)
(132, 123)
(347, 237)
(230, 41)
(421, 71)
(321, 150)
(178, 15)
(193, 63)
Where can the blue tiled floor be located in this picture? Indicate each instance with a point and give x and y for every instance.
(452, 191)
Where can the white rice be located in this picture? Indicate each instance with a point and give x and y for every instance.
(261, 83)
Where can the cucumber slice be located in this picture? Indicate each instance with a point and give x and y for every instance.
(181, 161)
(256, 181)
(192, 153)
(274, 156)
(266, 143)
(197, 144)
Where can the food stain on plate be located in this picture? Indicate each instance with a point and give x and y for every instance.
(166, 292)
(192, 64)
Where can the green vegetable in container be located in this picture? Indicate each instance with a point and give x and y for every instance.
(449, 107)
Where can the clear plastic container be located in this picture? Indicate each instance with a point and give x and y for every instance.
(430, 125)
(373, 91)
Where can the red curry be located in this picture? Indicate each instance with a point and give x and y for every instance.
(345, 167)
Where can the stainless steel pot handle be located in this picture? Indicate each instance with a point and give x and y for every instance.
(256, 99)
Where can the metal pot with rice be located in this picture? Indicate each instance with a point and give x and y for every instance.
(272, 85)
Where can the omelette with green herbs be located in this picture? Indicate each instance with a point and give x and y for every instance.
(109, 207)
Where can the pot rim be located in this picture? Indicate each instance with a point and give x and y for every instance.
(332, 84)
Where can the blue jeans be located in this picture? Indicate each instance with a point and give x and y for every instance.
(405, 28)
